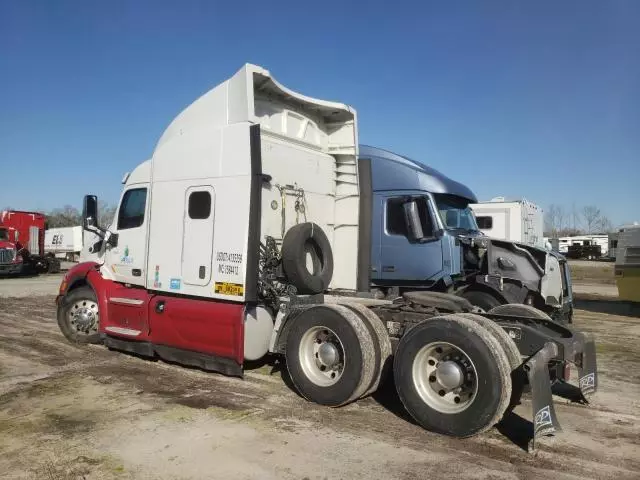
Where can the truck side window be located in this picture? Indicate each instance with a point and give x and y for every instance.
(396, 223)
(485, 223)
(131, 214)
(199, 205)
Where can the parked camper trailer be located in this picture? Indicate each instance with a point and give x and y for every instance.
(591, 240)
(517, 221)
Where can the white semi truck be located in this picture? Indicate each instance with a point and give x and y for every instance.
(248, 232)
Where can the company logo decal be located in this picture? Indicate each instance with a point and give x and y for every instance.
(126, 258)
(156, 278)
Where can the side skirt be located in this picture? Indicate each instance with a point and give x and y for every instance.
(206, 362)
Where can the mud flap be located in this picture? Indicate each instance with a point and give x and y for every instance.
(587, 369)
(545, 421)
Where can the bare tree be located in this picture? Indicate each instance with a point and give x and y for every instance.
(67, 216)
(604, 225)
(575, 216)
(106, 213)
(591, 215)
(554, 220)
(551, 221)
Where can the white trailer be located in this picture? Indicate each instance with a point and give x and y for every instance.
(65, 242)
(517, 221)
(593, 239)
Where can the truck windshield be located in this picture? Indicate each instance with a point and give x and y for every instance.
(4, 235)
(455, 213)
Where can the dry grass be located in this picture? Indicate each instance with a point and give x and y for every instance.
(592, 272)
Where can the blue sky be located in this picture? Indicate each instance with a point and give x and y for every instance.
(522, 99)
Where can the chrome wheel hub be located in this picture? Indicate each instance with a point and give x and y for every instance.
(322, 356)
(83, 316)
(445, 378)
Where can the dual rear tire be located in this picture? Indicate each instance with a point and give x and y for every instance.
(337, 354)
(452, 373)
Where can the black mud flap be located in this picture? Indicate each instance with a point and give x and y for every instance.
(545, 421)
(587, 369)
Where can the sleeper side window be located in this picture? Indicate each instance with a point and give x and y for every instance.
(199, 205)
(132, 208)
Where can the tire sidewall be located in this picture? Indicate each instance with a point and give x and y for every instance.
(300, 240)
(489, 381)
(63, 316)
(343, 389)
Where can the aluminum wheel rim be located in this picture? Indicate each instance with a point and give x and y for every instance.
(84, 316)
(436, 370)
(321, 355)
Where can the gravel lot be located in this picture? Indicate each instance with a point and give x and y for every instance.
(70, 412)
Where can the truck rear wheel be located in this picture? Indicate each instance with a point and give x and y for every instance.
(330, 355)
(79, 316)
(453, 376)
(382, 345)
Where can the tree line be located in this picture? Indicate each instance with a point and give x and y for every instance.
(69, 216)
(560, 222)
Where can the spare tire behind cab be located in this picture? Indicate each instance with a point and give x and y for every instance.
(301, 241)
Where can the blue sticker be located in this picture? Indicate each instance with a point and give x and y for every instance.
(174, 284)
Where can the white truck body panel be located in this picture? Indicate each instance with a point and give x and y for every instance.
(518, 221)
(298, 134)
(64, 240)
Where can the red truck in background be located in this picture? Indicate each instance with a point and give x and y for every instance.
(22, 244)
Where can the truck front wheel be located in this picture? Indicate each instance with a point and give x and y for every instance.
(453, 376)
(79, 316)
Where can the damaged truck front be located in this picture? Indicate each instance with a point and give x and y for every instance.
(248, 232)
(425, 237)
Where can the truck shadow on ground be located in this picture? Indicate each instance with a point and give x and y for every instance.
(609, 306)
(513, 427)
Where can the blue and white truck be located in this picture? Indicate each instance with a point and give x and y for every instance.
(425, 237)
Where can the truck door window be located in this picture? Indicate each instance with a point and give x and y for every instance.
(199, 205)
(396, 223)
(132, 207)
(4, 235)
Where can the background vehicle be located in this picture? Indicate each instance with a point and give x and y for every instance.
(22, 244)
(259, 243)
(443, 250)
(519, 221)
(64, 242)
(627, 266)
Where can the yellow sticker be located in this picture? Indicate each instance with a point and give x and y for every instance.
(226, 288)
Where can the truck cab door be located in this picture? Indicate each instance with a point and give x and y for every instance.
(125, 261)
(404, 260)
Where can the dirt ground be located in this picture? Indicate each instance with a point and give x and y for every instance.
(73, 412)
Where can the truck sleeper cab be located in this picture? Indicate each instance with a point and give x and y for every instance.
(450, 253)
(248, 232)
